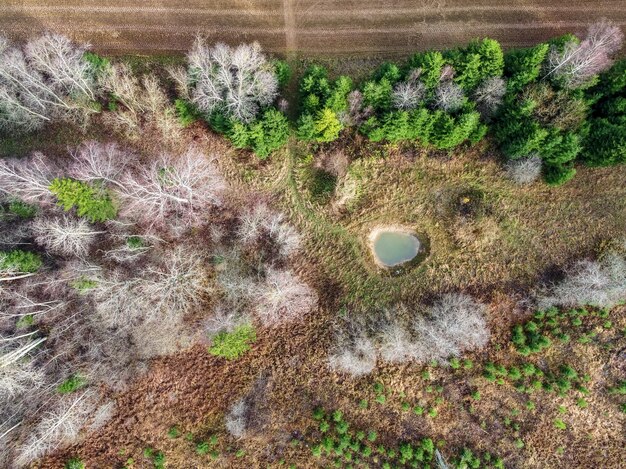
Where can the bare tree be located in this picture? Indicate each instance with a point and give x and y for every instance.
(100, 162)
(17, 372)
(455, 323)
(142, 103)
(396, 343)
(357, 357)
(174, 286)
(172, 191)
(236, 419)
(260, 221)
(488, 95)
(283, 297)
(449, 96)
(62, 63)
(600, 283)
(24, 99)
(50, 79)
(58, 427)
(524, 170)
(179, 76)
(65, 235)
(408, 95)
(356, 113)
(575, 64)
(238, 81)
(27, 179)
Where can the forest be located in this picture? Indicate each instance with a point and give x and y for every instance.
(186, 281)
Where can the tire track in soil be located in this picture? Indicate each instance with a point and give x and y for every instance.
(291, 44)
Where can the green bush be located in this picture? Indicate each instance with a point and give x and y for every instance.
(186, 112)
(84, 284)
(92, 202)
(71, 384)
(99, 65)
(74, 463)
(20, 261)
(232, 345)
(22, 209)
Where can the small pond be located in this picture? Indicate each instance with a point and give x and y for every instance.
(392, 247)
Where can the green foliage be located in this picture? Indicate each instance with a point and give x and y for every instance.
(620, 389)
(606, 140)
(173, 432)
(323, 127)
(74, 463)
(186, 112)
(232, 345)
(480, 60)
(157, 457)
(263, 136)
(468, 459)
(430, 63)
(99, 65)
(71, 384)
(18, 261)
(84, 284)
(135, 242)
(25, 321)
(358, 447)
(202, 448)
(317, 91)
(22, 209)
(377, 94)
(522, 66)
(283, 72)
(91, 201)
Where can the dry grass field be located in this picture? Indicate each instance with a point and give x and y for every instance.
(309, 27)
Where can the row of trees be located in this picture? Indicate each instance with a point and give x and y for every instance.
(537, 100)
(546, 101)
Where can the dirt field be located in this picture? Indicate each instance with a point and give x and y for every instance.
(310, 27)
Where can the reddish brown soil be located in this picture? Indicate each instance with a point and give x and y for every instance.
(310, 27)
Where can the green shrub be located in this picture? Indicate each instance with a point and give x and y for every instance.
(74, 463)
(99, 65)
(18, 261)
(186, 112)
(232, 345)
(22, 209)
(202, 448)
(84, 284)
(71, 384)
(25, 321)
(92, 202)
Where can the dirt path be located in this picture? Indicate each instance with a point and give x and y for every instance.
(312, 27)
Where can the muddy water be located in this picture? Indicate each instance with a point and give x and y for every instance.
(393, 248)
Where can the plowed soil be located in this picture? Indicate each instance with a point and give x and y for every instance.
(309, 27)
